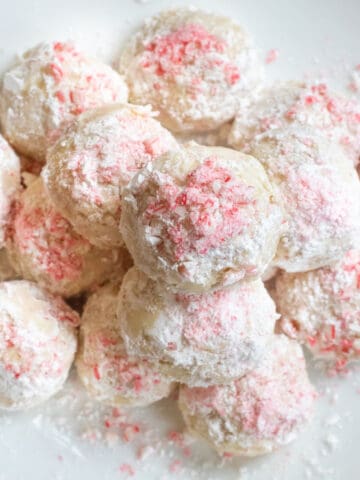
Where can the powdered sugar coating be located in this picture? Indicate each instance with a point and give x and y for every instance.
(107, 371)
(203, 339)
(321, 309)
(193, 67)
(94, 160)
(321, 196)
(200, 218)
(300, 105)
(257, 413)
(9, 183)
(50, 85)
(43, 247)
(37, 344)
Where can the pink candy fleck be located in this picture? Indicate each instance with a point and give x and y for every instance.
(228, 455)
(45, 234)
(272, 55)
(127, 469)
(56, 72)
(96, 372)
(130, 431)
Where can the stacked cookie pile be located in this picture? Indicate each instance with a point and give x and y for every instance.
(169, 242)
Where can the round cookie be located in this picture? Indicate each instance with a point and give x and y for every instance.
(94, 160)
(300, 105)
(50, 85)
(194, 67)
(321, 309)
(43, 247)
(105, 369)
(37, 344)
(201, 218)
(9, 184)
(257, 413)
(205, 339)
(320, 191)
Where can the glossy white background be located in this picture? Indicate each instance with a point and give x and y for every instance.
(314, 37)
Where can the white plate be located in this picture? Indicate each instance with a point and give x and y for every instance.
(66, 439)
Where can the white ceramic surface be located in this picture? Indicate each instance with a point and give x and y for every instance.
(66, 439)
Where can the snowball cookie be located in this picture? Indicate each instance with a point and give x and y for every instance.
(92, 162)
(105, 369)
(195, 68)
(7, 271)
(9, 184)
(301, 105)
(321, 309)
(257, 413)
(50, 85)
(321, 197)
(44, 247)
(37, 344)
(202, 339)
(200, 218)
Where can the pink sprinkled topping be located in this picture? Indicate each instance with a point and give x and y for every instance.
(210, 397)
(319, 96)
(130, 374)
(98, 168)
(26, 349)
(342, 112)
(272, 55)
(169, 55)
(56, 71)
(96, 372)
(262, 409)
(60, 96)
(94, 84)
(203, 214)
(309, 105)
(321, 199)
(335, 338)
(261, 415)
(50, 239)
(321, 309)
(63, 47)
(210, 315)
